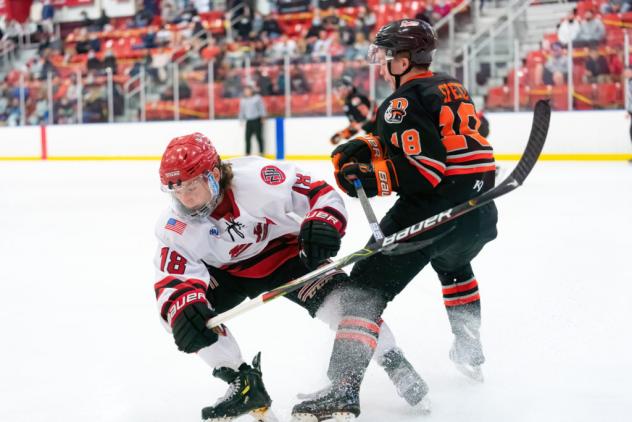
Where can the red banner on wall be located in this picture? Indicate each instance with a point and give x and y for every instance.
(3, 7)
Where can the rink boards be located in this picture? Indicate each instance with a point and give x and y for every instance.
(587, 135)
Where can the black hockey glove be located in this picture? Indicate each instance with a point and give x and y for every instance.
(363, 149)
(378, 178)
(319, 238)
(190, 313)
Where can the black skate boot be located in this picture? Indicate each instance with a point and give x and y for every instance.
(467, 354)
(409, 384)
(246, 395)
(340, 402)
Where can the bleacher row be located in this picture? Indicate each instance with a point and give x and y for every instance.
(585, 96)
(312, 103)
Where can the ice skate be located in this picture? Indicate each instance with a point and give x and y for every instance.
(467, 355)
(340, 402)
(409, 384)
(246, 395)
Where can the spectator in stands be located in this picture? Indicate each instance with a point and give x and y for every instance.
(568, 29)
(102, 21)
(615, 62)
(282, 47)
(615, 6)
(40, 113)
(234, 55)
(168, 13)
(232, 85)
(94, 104)
(263, 82)
(142, 18)
(257, 25)
(592, 31)
(360, 47)
(441, 9)
(48, 14)
(82, 44)
(596, 67)
(151, 6)
(42, 67)
(347, 34)
(321, 46)
(298, 81)
(368, 20)
(184, 91)
(109, 61)
(95, 42)
(331, 21)
(13, 112)
(187, 13)
(242, 28)
(252, 111)
(555, 70)
(93, 65)
(315, 28)
(271, 27)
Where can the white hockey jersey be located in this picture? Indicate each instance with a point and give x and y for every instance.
(251, 233)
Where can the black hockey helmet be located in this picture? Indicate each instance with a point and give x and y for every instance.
(413, 35)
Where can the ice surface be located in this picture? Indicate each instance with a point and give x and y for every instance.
(81, 338)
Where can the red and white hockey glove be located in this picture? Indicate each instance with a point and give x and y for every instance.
(187, 315)
(378, 178)
(319, 238)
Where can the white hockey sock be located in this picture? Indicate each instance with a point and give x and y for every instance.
(223, 353)
(330, 313)
(385, 342)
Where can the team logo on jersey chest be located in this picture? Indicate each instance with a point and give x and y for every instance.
(272, 175)
(396, 110)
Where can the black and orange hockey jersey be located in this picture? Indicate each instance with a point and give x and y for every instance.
(429, 128)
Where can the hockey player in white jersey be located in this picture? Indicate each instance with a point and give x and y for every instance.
(236, 229)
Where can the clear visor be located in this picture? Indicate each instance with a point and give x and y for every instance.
(186, 187)
(379, 55)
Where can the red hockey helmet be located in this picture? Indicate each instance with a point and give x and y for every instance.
(186, 157)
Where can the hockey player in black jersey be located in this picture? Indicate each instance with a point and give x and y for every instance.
(360, 111)
(428, 150)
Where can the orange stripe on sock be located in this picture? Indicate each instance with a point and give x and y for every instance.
(462, 300)
(462, 288)
(365, 339)
(360, 323)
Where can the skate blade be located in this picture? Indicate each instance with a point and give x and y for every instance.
(424, 407)
(336, 416)
(263, 414)
(473, 372)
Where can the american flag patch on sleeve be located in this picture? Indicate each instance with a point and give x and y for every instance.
(175, 225)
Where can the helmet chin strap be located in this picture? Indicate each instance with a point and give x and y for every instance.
(398, 78)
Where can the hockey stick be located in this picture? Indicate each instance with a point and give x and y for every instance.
(401, 248)
(368, 211)
(537, 137)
